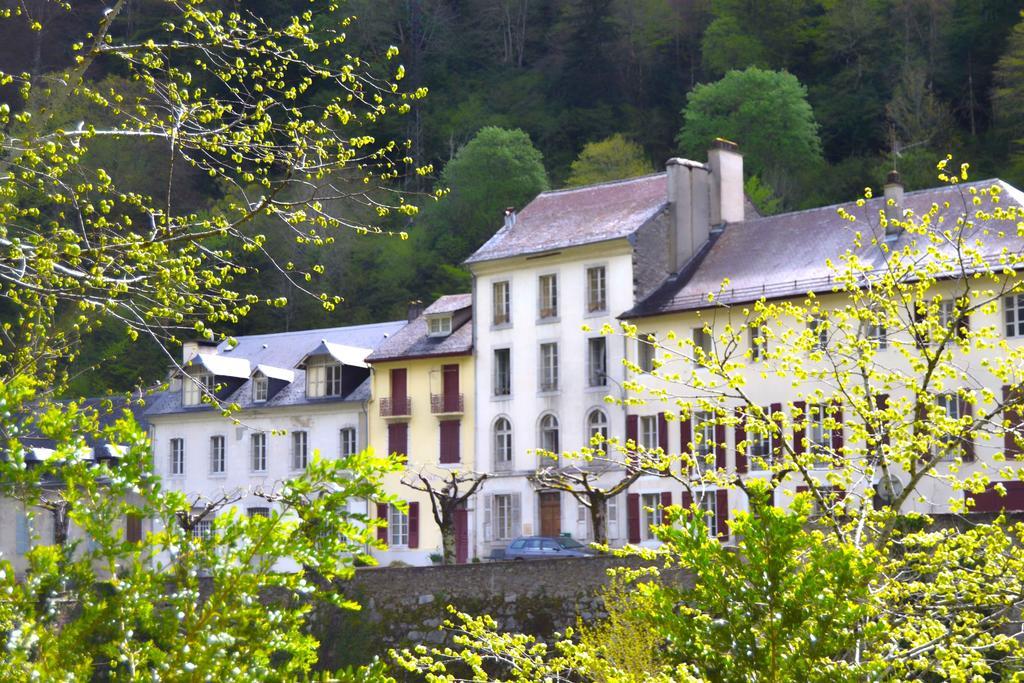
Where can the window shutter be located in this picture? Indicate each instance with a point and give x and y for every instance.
(133, 528)
(722, 513)
(398, 433)
(517, 515)
(740, 435)
(687, 499)
(398, 390)
(720, 446)
(799, 426)
(488, 526)
(414, 525)
(382, 531)
(1012, 420)
(450, 441)
(666, 500)
(686, 435)
(837, 433)
(662, 432)
(967, 441)
(633, 517)
(777, 436)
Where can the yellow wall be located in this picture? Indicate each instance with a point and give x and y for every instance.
(423, 379)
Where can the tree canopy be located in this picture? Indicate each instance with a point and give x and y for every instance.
(614, 158)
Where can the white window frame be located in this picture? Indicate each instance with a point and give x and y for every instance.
(439, 326)
(595, 427)
(948, 448)
(323, 377)
(218, 447)
(597, 361)
(398, 527)
(878, 335)
(503, 516)
(703, 425)
(819, 437)
(502, 375)
(549, 433)
(762, 445)
(260, 389)
(501, 302)
(257, 511)
(300, 450)
(708, 503)
(203, 529)
(702, 340)
(758, 350)
(1013, 315)
(648, 431)
(597, 289)
(348, 441)
(612, 517)
(547, 296)
(258, 452)
(501, 443)
(818, 328)
(646, 352)
(650, 515)
(177, 457)
(548, 367)
(195, 386)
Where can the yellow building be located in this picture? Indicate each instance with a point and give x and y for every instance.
(422, 407)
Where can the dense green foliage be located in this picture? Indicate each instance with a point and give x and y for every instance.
(613, 158)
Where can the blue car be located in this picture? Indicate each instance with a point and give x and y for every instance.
(539, 547)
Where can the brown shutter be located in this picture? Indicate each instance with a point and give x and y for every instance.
(741, 436)
(1013, 419)
(450, 441)
(722, 513)
(720, 445)
(837, 433)
(967, 441)
(133, 529)
(414, 525)
(666, 500)
(990, 501)
(687, 500)
(799, 426)
(685, 434)
(399, 392)
(382, 531)
(450, 380)
(662, 432)
(398, 438)
(633, 517)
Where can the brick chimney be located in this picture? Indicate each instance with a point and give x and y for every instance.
(415, 309)
(727, 201)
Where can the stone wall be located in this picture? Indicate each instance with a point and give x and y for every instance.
(406, 605)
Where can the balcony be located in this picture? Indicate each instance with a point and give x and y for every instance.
(395, 406)
(446, 404)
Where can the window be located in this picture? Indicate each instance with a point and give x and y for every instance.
(597, 430)
(177, 456)
(649, 431)
(398, 526)
(216, 455)
(549, 367)
(194, 387)
(504, 516)
(831, 496)
(758, 343)
(878, 335)
(440, 326)
(762, 445)
(819, 329)
(502, 444)
(323, 377)
(701, 346)
(23, 532)
(548, 303)
(645, 351)
(501, 303)
(708, 502)
(704, 433)
(650, 503)
(612, 517)
(203, 529)
(502, 372)
(549, 433)
(258, 452)
(260, 388)
(948, 315)
(300, 450)
(597, 362)
(1013, 315)
(258, 512)
(596, 297)
(819, 437)
(948, 447)
(348, 441)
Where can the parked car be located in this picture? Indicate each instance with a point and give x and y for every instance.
(538, 547)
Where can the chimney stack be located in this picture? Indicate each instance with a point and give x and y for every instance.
(415, 310)
(510, 217)
(688, 195)
(893, 190)
(727, 200)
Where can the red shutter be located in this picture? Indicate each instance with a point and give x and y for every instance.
(741, 436)
(666, 500)
(414, 525)
(778, 437)
(633, 517)
(685, 435)
(382, 531)
(722, 513)
(967, 442)
(450, 441)
(799, 426)
(802, 489)
(133, 528)
(990, 501)
(398, 438)
(720, 446)
(662, 432)
(1012, 417)
(837, 433)
(450, 377)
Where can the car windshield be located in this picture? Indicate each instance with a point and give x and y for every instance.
(570, 543)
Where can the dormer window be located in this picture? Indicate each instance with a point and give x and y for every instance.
(194, 386)
(260, 389)
(323, 377)
(440, 326)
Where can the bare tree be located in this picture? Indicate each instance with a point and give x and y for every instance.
(448, 492)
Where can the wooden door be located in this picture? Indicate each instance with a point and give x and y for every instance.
(461, 536)
(550, 513)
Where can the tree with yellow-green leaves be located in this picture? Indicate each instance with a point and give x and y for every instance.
(897, 392)
(285, 123)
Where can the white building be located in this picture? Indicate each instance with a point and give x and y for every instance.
(569, 259)
(313, 384)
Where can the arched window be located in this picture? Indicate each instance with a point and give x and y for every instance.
(549, 433)
(502, 444)
(597, 423)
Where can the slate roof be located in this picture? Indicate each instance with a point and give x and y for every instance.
(413, 340)
(221, 366)
(283, 350)
(109, 409)
(785, 255)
